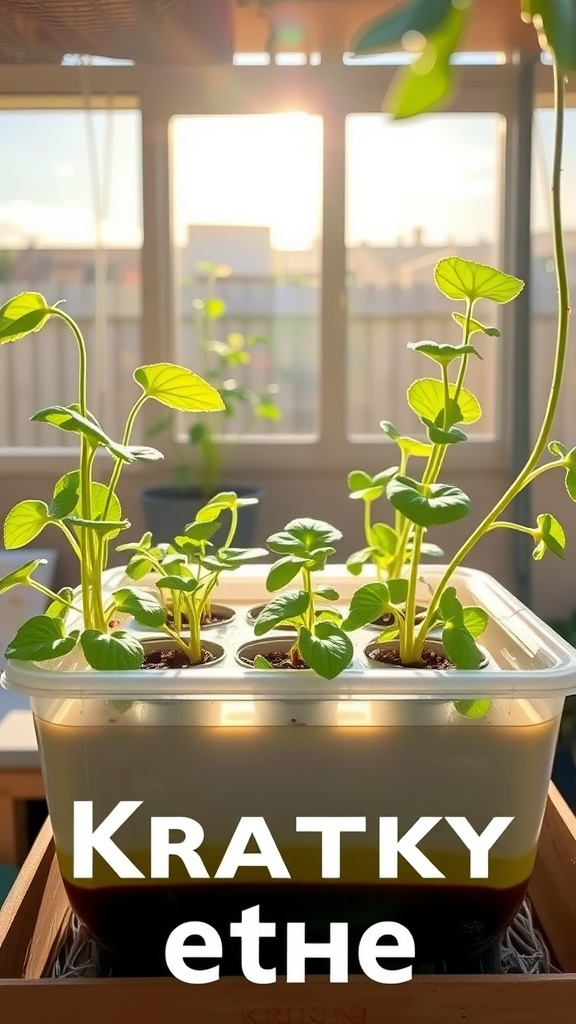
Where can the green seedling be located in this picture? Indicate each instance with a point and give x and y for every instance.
(305, 545)
(87, 512)
(188, 571)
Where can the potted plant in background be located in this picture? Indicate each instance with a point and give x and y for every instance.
(198, 476)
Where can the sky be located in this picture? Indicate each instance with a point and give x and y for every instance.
(439, 173)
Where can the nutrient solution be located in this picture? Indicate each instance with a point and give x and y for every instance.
(420, 759)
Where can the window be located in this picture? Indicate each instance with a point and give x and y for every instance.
(417, 191)
(246, 200)
(70, 228)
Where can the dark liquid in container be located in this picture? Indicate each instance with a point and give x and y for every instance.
(447, 922)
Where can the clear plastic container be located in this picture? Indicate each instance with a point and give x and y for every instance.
(217, 744)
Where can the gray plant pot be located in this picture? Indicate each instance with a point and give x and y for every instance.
(168, 509)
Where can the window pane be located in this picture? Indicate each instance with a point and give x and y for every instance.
(417, 191)
(70, 228)
(246, 199)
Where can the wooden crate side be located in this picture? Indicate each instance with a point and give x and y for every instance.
(445, 1000)
(19, 915)
(553, 884)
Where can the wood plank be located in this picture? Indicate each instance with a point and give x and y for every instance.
(50, 927)
(553, 884)
(19, 914)
(523, 999)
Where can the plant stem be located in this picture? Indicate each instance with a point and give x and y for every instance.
(125, 441)
(409, 644)
(529, 470)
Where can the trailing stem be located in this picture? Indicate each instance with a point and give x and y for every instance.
(530, 471)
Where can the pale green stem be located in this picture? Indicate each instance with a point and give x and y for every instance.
(125, 441)
(409, 649)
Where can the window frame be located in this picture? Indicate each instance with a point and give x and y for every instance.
(332, 90)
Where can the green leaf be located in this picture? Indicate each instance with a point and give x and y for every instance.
(328, 651)
(425, 83)
(369, 494)
(140, 603)
(138, 567)
(285, 606)
(329, 615)
(284, 571)
(68, 488)
(555, 22)
(409, 445)
(472, 708)
(303, 536)
(460, 646)
(261, 662)
(551, 537)
(390, 633)
(570, 482)
(443, 354)
(440, 504)
(184, 586)
(475, 620)
(388, 30)
(327, 593)
(439, 435)
(232, 558)
(474, 326)
(224, 500)
(21, 315)
(358, 559)
(398, 590)
(426, 399)
(178, 388)
(112, 652)
(40, 638)
(22, 575)
(450, 608)
(367, 604)
(462, 279)
(358, 480)
(57, 609)
(24, 522)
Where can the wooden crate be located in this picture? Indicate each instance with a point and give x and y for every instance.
(37, 913)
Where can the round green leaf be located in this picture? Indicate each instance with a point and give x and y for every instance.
(440, 504)
(367, 604)
(285, 606)
(58, 609)
(40, 638)
(24, 522)
(284, 571)
(426, 399)
(460, 646)
(439, 435)
(303, 536)
(463, 279)
(184, 586)
(328, 651)
(140, 603)
(24, 313)
(358, 480)
(111, 652)
(358, 559)
(475, 620)
(178, 388)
